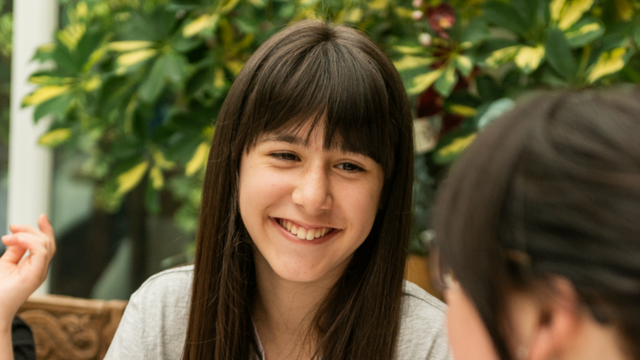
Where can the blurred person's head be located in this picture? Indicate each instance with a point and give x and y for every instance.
(538, 232)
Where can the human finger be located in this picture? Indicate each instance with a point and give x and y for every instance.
(16, 228)
(40, 237)
(15, 250)
(35, 266)
(45, 225)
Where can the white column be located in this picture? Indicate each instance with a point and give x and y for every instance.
(34, 23)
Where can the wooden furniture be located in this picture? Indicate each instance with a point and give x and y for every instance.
(417, 271)
(67, 328)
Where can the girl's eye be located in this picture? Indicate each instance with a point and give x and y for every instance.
(285, 156)
(350, 167)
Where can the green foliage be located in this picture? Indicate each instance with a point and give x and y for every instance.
(137, 84)
(512, 47)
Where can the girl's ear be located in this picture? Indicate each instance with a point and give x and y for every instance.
(557, 323)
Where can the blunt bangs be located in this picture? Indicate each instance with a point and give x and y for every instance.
(331, 81)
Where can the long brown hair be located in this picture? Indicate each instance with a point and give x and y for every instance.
(318, 74)
(551, 189)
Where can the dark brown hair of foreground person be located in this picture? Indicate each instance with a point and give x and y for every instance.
(336, 78)
(557, 179)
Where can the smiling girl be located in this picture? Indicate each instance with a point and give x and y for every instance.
(304, 222)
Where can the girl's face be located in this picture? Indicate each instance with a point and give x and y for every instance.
(306, 209)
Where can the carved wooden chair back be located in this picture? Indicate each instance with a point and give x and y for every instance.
(67, 328)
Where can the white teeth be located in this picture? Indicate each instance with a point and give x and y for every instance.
(311, 234)
(303, 233)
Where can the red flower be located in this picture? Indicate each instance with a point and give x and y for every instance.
(450, 122)
(429, 103)
(441, 18)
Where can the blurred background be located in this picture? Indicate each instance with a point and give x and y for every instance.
(129, 91)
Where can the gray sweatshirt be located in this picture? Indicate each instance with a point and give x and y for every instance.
(154, 324)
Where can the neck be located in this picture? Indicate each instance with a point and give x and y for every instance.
(284, 312)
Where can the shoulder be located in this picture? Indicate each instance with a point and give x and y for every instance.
(167, 283)
(415, 298)
(423, 326)
(167, 293)
(155, 321)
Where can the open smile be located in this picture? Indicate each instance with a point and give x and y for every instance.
(302, 232)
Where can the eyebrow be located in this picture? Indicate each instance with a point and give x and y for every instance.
(292, 139)
(295, 140)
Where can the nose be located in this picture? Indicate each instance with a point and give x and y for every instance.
(312, 191)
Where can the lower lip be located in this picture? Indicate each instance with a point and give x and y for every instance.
(294, 238)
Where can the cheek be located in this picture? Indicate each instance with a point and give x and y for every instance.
(363, 201)
(361, 205)
(468, 337)
(259, 190)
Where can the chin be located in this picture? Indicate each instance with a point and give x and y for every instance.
(300, 275)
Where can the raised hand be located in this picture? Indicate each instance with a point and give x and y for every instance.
(20, 277)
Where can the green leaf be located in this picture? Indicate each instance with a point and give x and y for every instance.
(44, 52)
(169, 67)
(130, 178)
(410, 49)
(183, 45)
(528, 9)
(637, 35)
(445, 83)
(57, 107)
(89, 42)
(174, 67)
(572, 12)
(488, 88)
(228, 5)
(505, 16)
(584, 32)
(464, 64)
(152, 198)
(608, 63)
(476, 31)
(182, 146)
(451, 149)
(494, 111)
(198, 160)
(198, 81)
(258, 3)
(63, 59)
(156, 26)
(422, 82)
(501, 56)
(202, 23)
(555, 8)
(153, 84)
(409, 62)
(45, 93)
(559, 54)
(55, 137)
(528, 58)
(115, 93)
